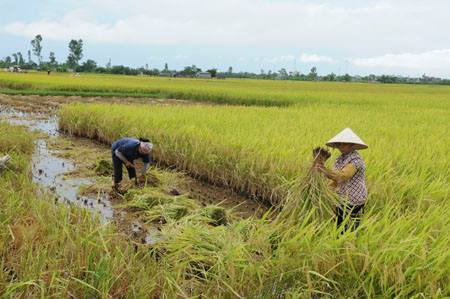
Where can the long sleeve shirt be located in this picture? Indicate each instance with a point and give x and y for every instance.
(349, 178)
(127, 150)
(343, 175)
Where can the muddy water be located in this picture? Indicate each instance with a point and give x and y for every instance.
(49, 171)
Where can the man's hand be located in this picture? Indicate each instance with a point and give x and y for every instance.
(142, 179)
(128, 164)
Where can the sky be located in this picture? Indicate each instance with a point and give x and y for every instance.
(398, 37)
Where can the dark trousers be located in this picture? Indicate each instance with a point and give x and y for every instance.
(117, 163)
(349, 216)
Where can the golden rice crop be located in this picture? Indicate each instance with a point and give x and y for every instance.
(259, 150)
(228, 91)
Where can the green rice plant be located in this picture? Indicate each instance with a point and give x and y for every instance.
(104, 168)
(307, 194)
(17, 140)
(160, 207)
(216, 215)
(145, 198)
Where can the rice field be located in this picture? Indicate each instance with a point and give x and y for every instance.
(400, 250)
(265, 152)
(228, 91)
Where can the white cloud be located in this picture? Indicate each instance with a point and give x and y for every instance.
(282, 59)
(267, 28)
(314, 58)
(347, 24)
(437, 61)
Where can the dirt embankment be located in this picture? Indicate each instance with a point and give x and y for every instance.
(48, 104)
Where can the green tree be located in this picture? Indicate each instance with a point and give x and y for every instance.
(8, 61)
(37, 47)
(213, 72)
(313, 74)
(52, 63)
(347, 78)
(16, 58)
(29, 57)
(75, 53)
(282, 74)
(21, 61)
(89, 66)
(330, 77)
(190, 70)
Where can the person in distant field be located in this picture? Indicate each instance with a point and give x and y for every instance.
(125, 151)
(348, 178)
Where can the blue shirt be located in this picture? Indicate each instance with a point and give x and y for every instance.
(129, 147)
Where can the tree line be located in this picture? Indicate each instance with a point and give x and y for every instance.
(35, 61)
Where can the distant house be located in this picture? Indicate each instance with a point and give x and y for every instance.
(181, 75)
(203, 75)
(165, 74)
(15, 69)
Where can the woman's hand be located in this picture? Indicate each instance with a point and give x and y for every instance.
(320, 167)
(128, 164)
(318, 164)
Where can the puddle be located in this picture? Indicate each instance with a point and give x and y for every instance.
(49, 170)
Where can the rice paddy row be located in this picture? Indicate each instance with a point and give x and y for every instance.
(229, 91)
(258, 151)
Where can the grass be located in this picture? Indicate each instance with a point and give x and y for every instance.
(228, 91)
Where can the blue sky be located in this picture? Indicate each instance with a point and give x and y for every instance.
(360, 37)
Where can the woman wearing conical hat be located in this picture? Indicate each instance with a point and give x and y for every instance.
(348, 176)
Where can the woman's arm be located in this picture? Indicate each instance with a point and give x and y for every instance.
(339, 176)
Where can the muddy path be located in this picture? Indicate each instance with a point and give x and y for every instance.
(50, 104)
(67, 168)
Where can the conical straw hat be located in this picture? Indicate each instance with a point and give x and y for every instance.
(347, 136)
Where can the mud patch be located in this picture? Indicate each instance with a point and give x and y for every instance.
(50, 104)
